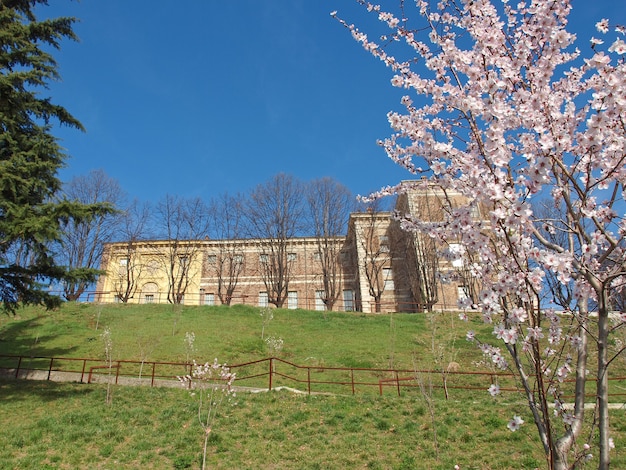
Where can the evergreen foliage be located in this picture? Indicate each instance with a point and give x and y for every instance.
(30, 156)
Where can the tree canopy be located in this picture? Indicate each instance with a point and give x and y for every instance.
(30, 157)
(503, 109)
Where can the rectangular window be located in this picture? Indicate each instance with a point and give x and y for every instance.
(461, 292)
(388, 279)
(123, 267)
(291, 256)
(292, 299)
(317, 256)
(149, 298)
(384, 243)
(263, 258)
(184, 261)
(456, 251)
(238, 259)
(263, 300)
(348, 300)
(319, 300)
(209, 299)
(211, 259)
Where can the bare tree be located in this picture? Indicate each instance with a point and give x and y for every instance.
(227, 263)
(132, 230)
(275, 215)
(82, 241)
(420, 271)
(375, 256)
(183, 223)
(329, 206)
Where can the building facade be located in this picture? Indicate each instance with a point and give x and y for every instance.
(376, 267)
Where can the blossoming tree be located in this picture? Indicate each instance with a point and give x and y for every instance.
(501, 107)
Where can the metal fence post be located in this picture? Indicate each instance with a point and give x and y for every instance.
(271, 370)
(17, 370)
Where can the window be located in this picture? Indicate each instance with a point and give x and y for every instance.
(291, 256)
(319, 300)
(292, 299)
(184, 261)
(384, 243)
(456, 254)
(238, 259)
(211, 259)
(317, 256)
(123, 267)
(263, 258)
(348, 300)
(462, 292)
(263, 301)
(209, 299)
(149, 293)
(388, 279)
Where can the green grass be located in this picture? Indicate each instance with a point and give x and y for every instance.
(157, 332)
(55, 425)
(49, 425)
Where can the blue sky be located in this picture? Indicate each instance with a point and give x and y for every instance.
(200, 97)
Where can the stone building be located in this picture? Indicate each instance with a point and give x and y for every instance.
(376, 267)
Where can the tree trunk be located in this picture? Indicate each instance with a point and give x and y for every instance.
(564, 444)
(603, 380)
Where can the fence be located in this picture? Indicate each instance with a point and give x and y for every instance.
(304, 302)
(268, 373)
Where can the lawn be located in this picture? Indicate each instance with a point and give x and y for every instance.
(157, 333)
(50, 425)
(66, 425)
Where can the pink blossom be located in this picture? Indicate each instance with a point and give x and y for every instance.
(494, 390)
(619, 47)
(515, 423)
(603, 26)
(481, 131)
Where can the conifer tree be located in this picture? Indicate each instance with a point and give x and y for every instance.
(30, 157)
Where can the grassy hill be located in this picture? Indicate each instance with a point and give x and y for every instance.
(52, 425)
(157, 333)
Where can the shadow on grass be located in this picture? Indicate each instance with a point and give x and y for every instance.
(24, 390)
(17, 339)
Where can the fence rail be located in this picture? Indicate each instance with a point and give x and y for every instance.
(268, 373)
